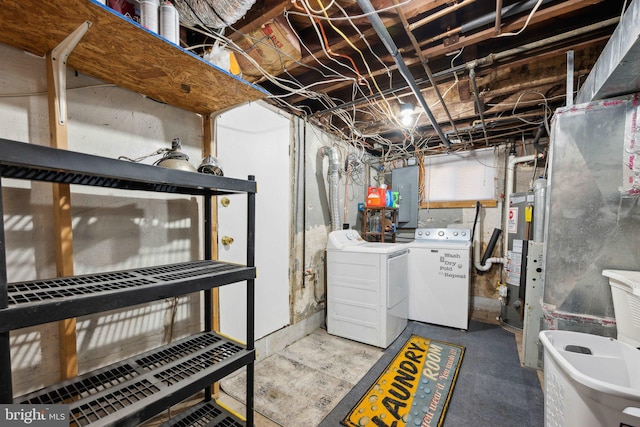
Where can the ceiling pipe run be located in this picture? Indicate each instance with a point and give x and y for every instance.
(472, 77)
(505, 12)
(425, 65)
(487, 19)
(377, 25)
(498, 16)
(485, 61)
(439, 14)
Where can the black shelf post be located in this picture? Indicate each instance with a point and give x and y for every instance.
(251, 249)
(208, 293)
(6, 390)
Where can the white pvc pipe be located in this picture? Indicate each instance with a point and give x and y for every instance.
(488, 263)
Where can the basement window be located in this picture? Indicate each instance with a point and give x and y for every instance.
(460, 177)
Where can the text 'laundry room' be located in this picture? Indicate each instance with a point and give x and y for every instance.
(301, 213)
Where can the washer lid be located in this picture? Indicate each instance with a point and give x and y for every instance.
(340, 239)
(351, 241)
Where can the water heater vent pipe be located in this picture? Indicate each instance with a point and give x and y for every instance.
(511, 168)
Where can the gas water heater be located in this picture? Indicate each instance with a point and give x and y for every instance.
(519, 233)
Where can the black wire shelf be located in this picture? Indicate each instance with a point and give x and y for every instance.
(205, 414)
(20, 160)
(133, 390)
(42, 301)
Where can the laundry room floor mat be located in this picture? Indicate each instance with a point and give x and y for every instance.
(493, 389)
(414, 389)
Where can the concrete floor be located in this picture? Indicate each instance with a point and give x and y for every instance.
(263, 420)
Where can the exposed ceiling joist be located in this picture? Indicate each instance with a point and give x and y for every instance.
(345, 80)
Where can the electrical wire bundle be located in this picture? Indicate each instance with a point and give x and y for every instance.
(370, 105)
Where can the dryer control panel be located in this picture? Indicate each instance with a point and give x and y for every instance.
(447, 234)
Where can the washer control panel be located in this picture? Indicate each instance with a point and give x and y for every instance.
(451, 234)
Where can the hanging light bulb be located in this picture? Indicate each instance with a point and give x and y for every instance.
(175, 159)
(172, 158)
(406, 113)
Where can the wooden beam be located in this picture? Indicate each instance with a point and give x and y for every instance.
(163, 71)
(458, 204)
(208, 137)
(259, 14)
(208, 148)
(62, 228)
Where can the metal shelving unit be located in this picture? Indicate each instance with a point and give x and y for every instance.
(383, 213)
(136, 389)
(204, 414)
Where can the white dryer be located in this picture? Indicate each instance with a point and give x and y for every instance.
(367, 288)
(439, 276)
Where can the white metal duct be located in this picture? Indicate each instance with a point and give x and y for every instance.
(216, 14)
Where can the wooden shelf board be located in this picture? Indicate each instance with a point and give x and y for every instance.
(119, 51)
(458, 204)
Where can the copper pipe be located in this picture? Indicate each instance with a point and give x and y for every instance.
(443, 36)
(439, 14)
(472, 77)
(498, 16)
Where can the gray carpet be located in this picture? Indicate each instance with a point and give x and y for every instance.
(492, 390)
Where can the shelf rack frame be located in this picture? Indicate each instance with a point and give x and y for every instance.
(29, 303)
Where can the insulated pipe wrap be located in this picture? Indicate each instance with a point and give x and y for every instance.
(212, 13)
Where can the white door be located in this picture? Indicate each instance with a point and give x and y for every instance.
(253, 140)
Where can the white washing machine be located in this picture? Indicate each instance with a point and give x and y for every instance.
(439, 276)
(367, 288)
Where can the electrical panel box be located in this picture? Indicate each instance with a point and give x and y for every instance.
(405, 182)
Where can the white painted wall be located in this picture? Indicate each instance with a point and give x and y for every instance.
(312, 222)
(112, 230)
